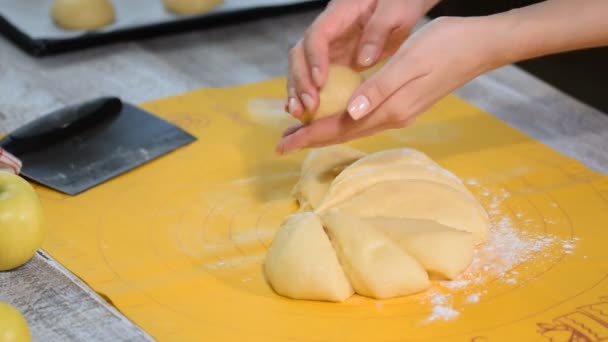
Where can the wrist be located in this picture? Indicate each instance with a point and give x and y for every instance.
(494, 42)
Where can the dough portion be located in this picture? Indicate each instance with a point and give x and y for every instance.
(191, 7)
(375, 265)
(351, 180)
(420, 199)
(380, 225)
(319, 169)
(341, 83)
(302, 264)
(396, 156)
(441, 250)
(82, 14)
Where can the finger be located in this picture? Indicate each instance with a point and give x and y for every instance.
(291, 130)
(316, 50)
(377, 31)
(319, 131)
(398, 72)
(330, 130)
(347, 137)
(299, 71)
(330, 25)
(293, 105)
(362, 133)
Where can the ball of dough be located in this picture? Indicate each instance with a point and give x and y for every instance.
(302, 264)
(341, 83)
(318, 171)
(191, 7)
(375, 265)
(82, 14)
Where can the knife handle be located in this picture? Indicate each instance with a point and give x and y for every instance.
(61, 124)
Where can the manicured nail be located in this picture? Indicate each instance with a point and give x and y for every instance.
(316, 76)
(292, 105)
(359, 107)
(308, 102)
(367, 55)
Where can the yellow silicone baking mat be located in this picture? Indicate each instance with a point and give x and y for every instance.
(177, 245)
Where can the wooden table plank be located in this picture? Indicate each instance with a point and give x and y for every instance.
(61, 308)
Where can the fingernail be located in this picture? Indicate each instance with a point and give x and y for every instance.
(308, 102)
(292, 105)
(316, 76)
(358, 107)
(367, 55)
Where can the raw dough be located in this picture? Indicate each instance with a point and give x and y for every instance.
(375, 266)
(442, 251)
(352, 180)
(341, 83)
(302, 264)
(190, 7)
(318, 171)
(82, 14)
(420, 199)
(393, 157)
(390, 222)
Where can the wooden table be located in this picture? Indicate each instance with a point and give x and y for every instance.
(58, 306)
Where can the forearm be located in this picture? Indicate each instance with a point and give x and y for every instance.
(547, 28)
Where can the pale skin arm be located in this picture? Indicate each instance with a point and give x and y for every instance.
(551, 27)
(449, 52)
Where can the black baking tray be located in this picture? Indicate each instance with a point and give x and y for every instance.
(28, 23)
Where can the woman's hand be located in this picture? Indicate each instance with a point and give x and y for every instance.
(357, 33)
(439, 58)
(447, 53)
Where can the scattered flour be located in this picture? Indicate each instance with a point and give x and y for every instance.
(472, 181)
(455, 284)
(473, 298)
(506, 248)
(441, 312)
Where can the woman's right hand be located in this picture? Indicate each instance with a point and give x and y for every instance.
(357, 33)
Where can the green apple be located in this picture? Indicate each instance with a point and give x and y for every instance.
(13, 327)
(21, 221)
